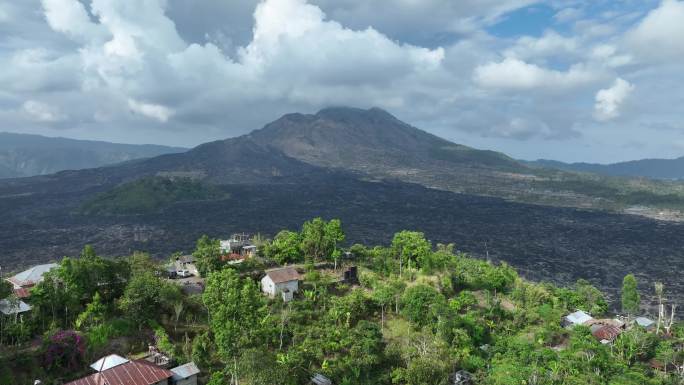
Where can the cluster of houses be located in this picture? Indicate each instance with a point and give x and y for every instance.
(238, 248)
(605, 330)
(116, 370)
(21, 286)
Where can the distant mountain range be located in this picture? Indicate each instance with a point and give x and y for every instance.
(647, 168)
(23, 155)
(377, 174)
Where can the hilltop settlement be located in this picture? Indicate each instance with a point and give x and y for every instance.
(301, 309)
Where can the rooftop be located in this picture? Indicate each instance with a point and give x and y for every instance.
(185, 371)
(7, 308)
(578, 318)
(138, 372)
(32, 276)
(108, 362)
(283, 274)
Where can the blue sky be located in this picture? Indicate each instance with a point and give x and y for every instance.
(572, 80)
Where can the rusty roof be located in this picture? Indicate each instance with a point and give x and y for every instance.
(283, 274)
(606, 332)
(138, 372)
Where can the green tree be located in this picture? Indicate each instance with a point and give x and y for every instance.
(147, 296)
(236, 310)
(631, 300)
(285, 248)
(421, 304)
(93, 315)
(6, 289)
(410, 246)
(320, 239)
(207, 255)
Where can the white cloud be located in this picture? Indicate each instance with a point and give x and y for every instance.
(609, 100)
(549, 44)
(659, 34)
(42, 112)
(150, 110)
(69, 17)
(516, 74)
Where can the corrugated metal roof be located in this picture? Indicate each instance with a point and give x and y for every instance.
(33, 275)
(7, 308)
(185, 371)
(578, 318)
(108, 362)
(138, 372)
(606, 333)
(283, 274)
(644, 322)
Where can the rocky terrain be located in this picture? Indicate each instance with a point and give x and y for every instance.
(293, 170)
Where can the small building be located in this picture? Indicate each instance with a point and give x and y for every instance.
(249, 250)
(8, 307)
(108, 362)
(577, 318)
(284, 280)
(234, 244)
(137, 372)
(645, 323)
(319, 379)
(185, 374)
(25, 280)
(606, 333)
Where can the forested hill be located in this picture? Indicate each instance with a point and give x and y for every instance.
(23, 155)
(647, 168)
(417, 313)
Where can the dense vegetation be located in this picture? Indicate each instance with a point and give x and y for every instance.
(420, 313)
(149, 195)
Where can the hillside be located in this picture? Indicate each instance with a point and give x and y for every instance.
(345, 163)
(23, 155)
(646, 168)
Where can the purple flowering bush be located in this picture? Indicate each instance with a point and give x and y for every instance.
(65, 350)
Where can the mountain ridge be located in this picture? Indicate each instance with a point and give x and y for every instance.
(24, 155)
(654, 168)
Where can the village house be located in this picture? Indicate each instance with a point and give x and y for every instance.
(645, 323)
(8, 307)
(235, 244)
(284, 281)
(185, 265)
(116, 370)
(137, 372)
(185, 374)
(108, 362)
(605, 333)
(577, 318)
(25, 280)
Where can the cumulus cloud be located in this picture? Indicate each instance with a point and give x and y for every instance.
(150, 110)
(659, 34)
(42, 112)
(199, 71)
(515, 74)
(609, 100)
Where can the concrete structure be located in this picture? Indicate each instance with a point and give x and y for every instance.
(577, 318)
(284, 281)
(108, 362)
(185, 374)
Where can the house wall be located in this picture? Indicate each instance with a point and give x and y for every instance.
(293, 286)
(188, 381)
(163, 382)
(272, 289)
(267, 286)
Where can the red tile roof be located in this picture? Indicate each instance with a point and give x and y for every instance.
(138, 372)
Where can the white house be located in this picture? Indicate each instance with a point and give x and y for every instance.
(185, 374)
(577, 318)
(283, 281)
